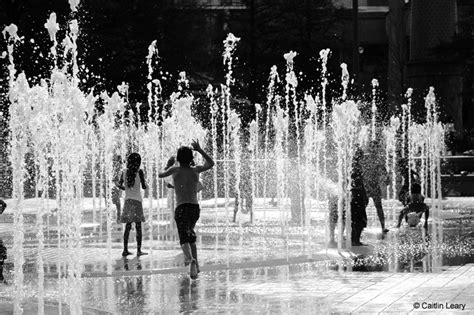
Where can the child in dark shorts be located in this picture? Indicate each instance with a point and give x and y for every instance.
(3, 249)
(186, 186)
(415, 208)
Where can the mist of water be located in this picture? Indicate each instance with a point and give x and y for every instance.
(71, 142)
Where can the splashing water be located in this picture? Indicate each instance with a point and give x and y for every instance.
(375, 84)
(74, 4)
(344, 124)
(344, 80)
(72, 142)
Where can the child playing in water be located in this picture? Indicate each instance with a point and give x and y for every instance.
(375, 175)
(116, 193)
(406, 176)
(415, 208)
(186, 185)
(3, 249)
(130, 181)
(358, 203)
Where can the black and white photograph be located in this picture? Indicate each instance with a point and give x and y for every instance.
(236, 157)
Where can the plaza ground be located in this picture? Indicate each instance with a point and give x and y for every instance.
(252, 268)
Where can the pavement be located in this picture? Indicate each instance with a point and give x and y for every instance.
(262, 267)
(291, 289)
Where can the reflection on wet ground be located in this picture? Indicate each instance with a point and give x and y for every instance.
(309, 288)
(249, 269)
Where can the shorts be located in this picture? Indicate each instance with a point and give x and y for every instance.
(373, 190)
(186, 216)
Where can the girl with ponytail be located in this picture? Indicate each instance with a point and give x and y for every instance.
(131, 180)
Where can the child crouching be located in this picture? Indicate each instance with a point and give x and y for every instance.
(415, 209)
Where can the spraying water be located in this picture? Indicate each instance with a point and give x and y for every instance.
(70, 141)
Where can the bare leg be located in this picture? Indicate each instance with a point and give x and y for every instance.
(195, 255)
(1, 271)
(332, 221)
(400, 217)
(128, 227)
(427, 215)
(138, 227)
(236, 209)
(377, 198)
(189, 255)
(355, 237)
(119, 208)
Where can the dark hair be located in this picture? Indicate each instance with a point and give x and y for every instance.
(3, 206)
(415, 188)
(185, 156)
(133, 165)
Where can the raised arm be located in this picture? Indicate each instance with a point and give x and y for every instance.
(208, 164)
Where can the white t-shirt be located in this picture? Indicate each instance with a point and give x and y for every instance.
(134, 191)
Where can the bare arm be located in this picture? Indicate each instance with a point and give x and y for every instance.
(3, 206)
(142, 179)
(209, 162)
(169, 169)
(119, 184)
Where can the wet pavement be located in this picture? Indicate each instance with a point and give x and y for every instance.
(308, 288)
(258, 268)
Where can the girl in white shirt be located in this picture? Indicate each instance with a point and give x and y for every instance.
(130, 181)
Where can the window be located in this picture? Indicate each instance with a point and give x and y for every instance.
(230, 3)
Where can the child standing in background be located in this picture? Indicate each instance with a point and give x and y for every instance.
(116, 193)
(130, 181)
(359, 199)
(375, 175)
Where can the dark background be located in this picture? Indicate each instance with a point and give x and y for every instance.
(115, 35)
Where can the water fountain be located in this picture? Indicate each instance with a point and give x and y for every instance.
(70, 140)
